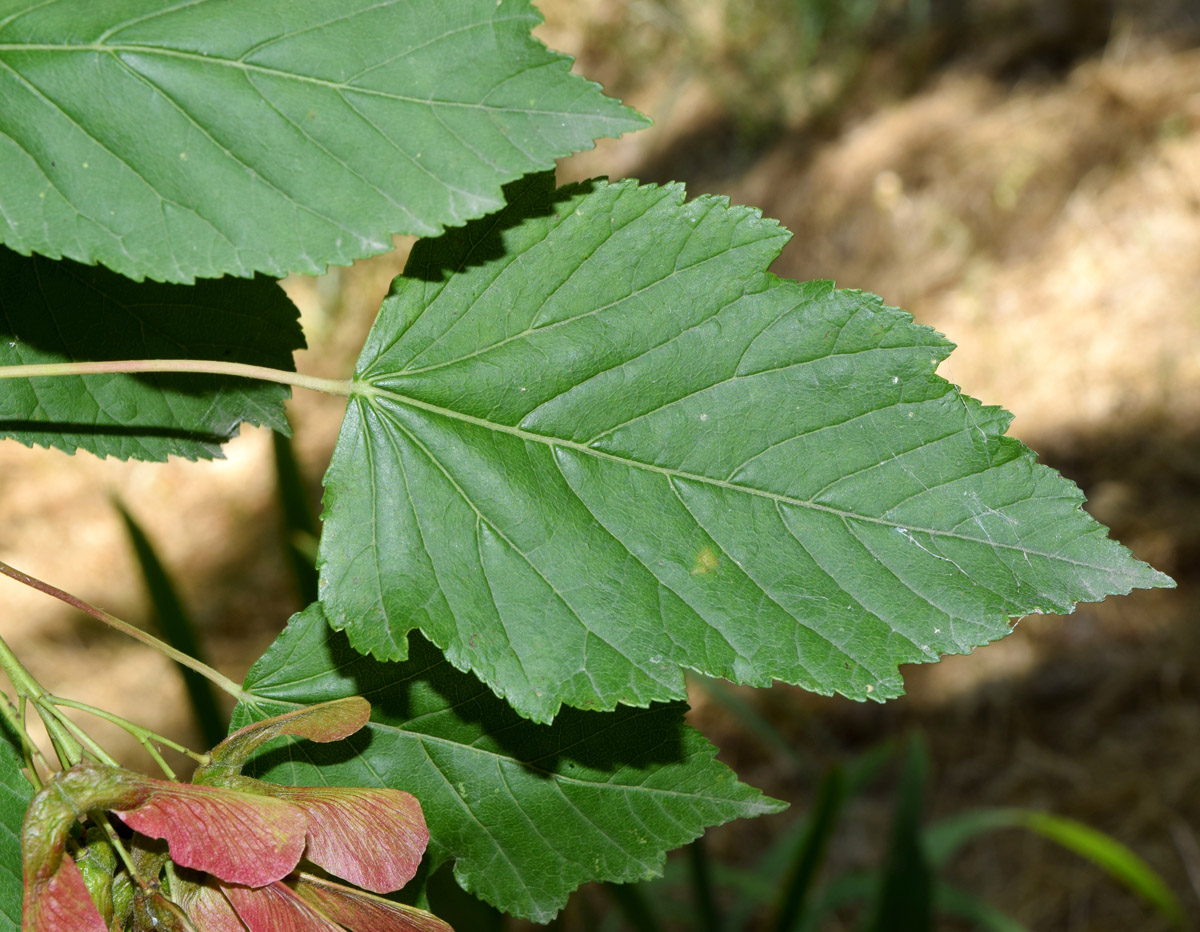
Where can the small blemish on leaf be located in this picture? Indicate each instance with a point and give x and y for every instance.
(706, 562)
(704, 417)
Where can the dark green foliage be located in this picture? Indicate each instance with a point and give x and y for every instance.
(53, 312)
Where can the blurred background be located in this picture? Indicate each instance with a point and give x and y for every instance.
(1022, 175)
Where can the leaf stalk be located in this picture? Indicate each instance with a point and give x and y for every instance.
(66, 746)
(217, 678)
(194, 366)
(145, 737)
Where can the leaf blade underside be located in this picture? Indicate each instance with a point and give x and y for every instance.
(596, 444)
(195, 139)
(526, 812)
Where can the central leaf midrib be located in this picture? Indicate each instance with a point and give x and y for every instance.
(370, 392)
(339, 86)
(574, 611)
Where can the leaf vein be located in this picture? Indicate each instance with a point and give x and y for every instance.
(376, 391)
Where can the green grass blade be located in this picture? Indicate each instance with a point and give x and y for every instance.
(951, 900)
(704, 898)
(633, 903)
(945, 837)
(177, 630)
(1114, 858)
(779, 873)
(299, 521)
(725, 695)
(810, 852)
(843, 891)
(863, 769)
(905, 899)
(1110, 855)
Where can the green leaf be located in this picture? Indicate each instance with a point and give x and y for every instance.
(193, 138)
(526, 812)
(65, 312)
(595, 443)
(15, 796)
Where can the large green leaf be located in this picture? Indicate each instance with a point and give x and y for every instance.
(15, 796)
(609, 446)
(183, 138)
(526, 812)
(65, 312)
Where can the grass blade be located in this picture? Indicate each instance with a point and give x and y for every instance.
(1114, 858)
(983, 916)
(905, 899)
(177, 630)
(299, 521)
(632, 902)
(709, 918)
(810, 852)
(725, 695)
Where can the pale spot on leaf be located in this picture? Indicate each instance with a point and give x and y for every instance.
(706, 562)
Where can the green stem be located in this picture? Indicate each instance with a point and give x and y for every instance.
(160, 760)
(47, 711)
(200, 366)
(69, 750)
(100, 817)
(16, 721)
(145, 736)
(219, 679)
(172, 881)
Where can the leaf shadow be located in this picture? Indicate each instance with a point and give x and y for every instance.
(430, 697)
(62, 310)
(529, 198)
(13, 428)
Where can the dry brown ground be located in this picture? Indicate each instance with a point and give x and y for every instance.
(1048, 222)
